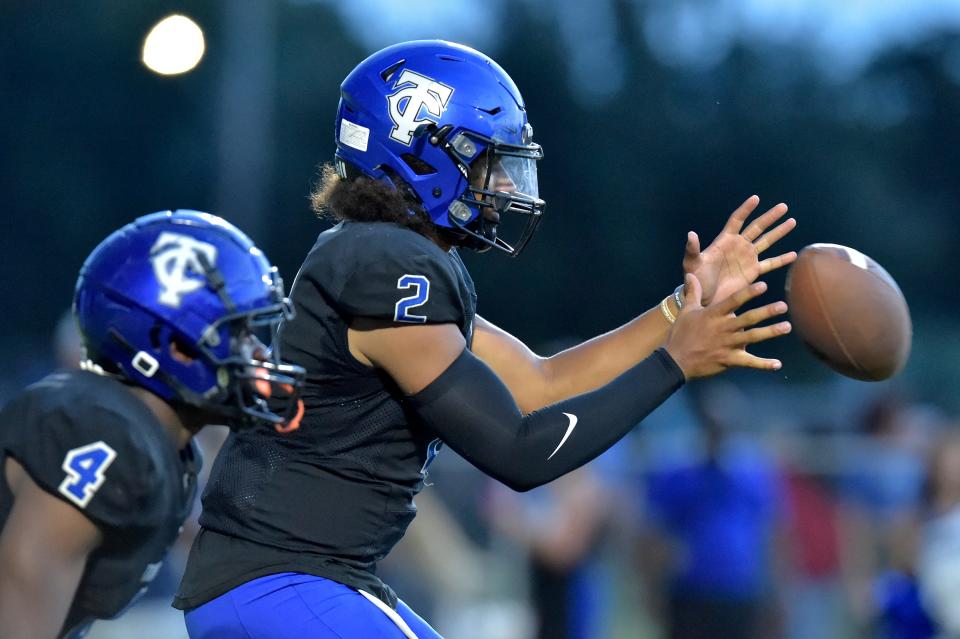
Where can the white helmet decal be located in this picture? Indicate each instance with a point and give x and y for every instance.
(417, 94)
(174, 257)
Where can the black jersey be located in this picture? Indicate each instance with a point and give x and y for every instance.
(87, 440)
(333, 497)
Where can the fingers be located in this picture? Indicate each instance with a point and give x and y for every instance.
(738, 217)
(769, 239)
(693, 246)
(742, 336)
(757, 315)
(762, 223)
(706, 341)
(741, 339)
(762, 333)
(773, 263)
(738, 299)
(744, 359)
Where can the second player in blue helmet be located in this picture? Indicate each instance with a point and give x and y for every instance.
(174, 301)
(98, 469)
(445, 124)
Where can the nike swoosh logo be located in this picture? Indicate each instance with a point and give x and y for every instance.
(573, 424)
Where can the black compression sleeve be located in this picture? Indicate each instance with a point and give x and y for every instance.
(471, 410)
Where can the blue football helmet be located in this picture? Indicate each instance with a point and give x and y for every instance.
(173, 301)
(445, 124)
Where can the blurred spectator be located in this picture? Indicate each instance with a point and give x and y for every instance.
(709, 543)
(445, 567)
(939, 554)
(561, 526)
(814, 594)
(435, 566)
(919, 596)
(881, 490)
(902, 614)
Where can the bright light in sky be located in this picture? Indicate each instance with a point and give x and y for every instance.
(174, 45)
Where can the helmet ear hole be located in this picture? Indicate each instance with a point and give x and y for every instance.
(183, 352)
(417, 165)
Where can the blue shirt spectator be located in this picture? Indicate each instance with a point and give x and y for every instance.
(720, 512)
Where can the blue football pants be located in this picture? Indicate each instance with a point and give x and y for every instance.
(298, 606)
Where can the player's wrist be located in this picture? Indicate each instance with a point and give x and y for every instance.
(672, 304)
(668, 309)
(678, 297)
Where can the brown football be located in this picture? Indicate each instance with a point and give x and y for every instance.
(849, 312)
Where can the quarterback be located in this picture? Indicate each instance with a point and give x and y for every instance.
(99, 469)
(434, 155)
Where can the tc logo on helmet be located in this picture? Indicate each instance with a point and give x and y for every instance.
(417, 93)
(174, 257)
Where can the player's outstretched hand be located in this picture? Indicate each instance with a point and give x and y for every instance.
(733, 259)
(708, 340)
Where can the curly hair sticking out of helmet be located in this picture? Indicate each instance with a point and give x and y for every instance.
(363, 199)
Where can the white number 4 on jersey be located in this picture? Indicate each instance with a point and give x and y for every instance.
(85, 467)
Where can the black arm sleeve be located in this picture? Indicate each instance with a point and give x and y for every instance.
(471, 410)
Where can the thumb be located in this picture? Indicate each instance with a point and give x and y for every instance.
(693, 292)
(693, 246)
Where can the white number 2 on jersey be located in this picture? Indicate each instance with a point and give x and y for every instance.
(421, 293)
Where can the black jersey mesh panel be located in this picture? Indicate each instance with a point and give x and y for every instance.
(245, 466)
(363, 443)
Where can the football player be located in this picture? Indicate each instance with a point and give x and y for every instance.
(99, 471)
(434, 154)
